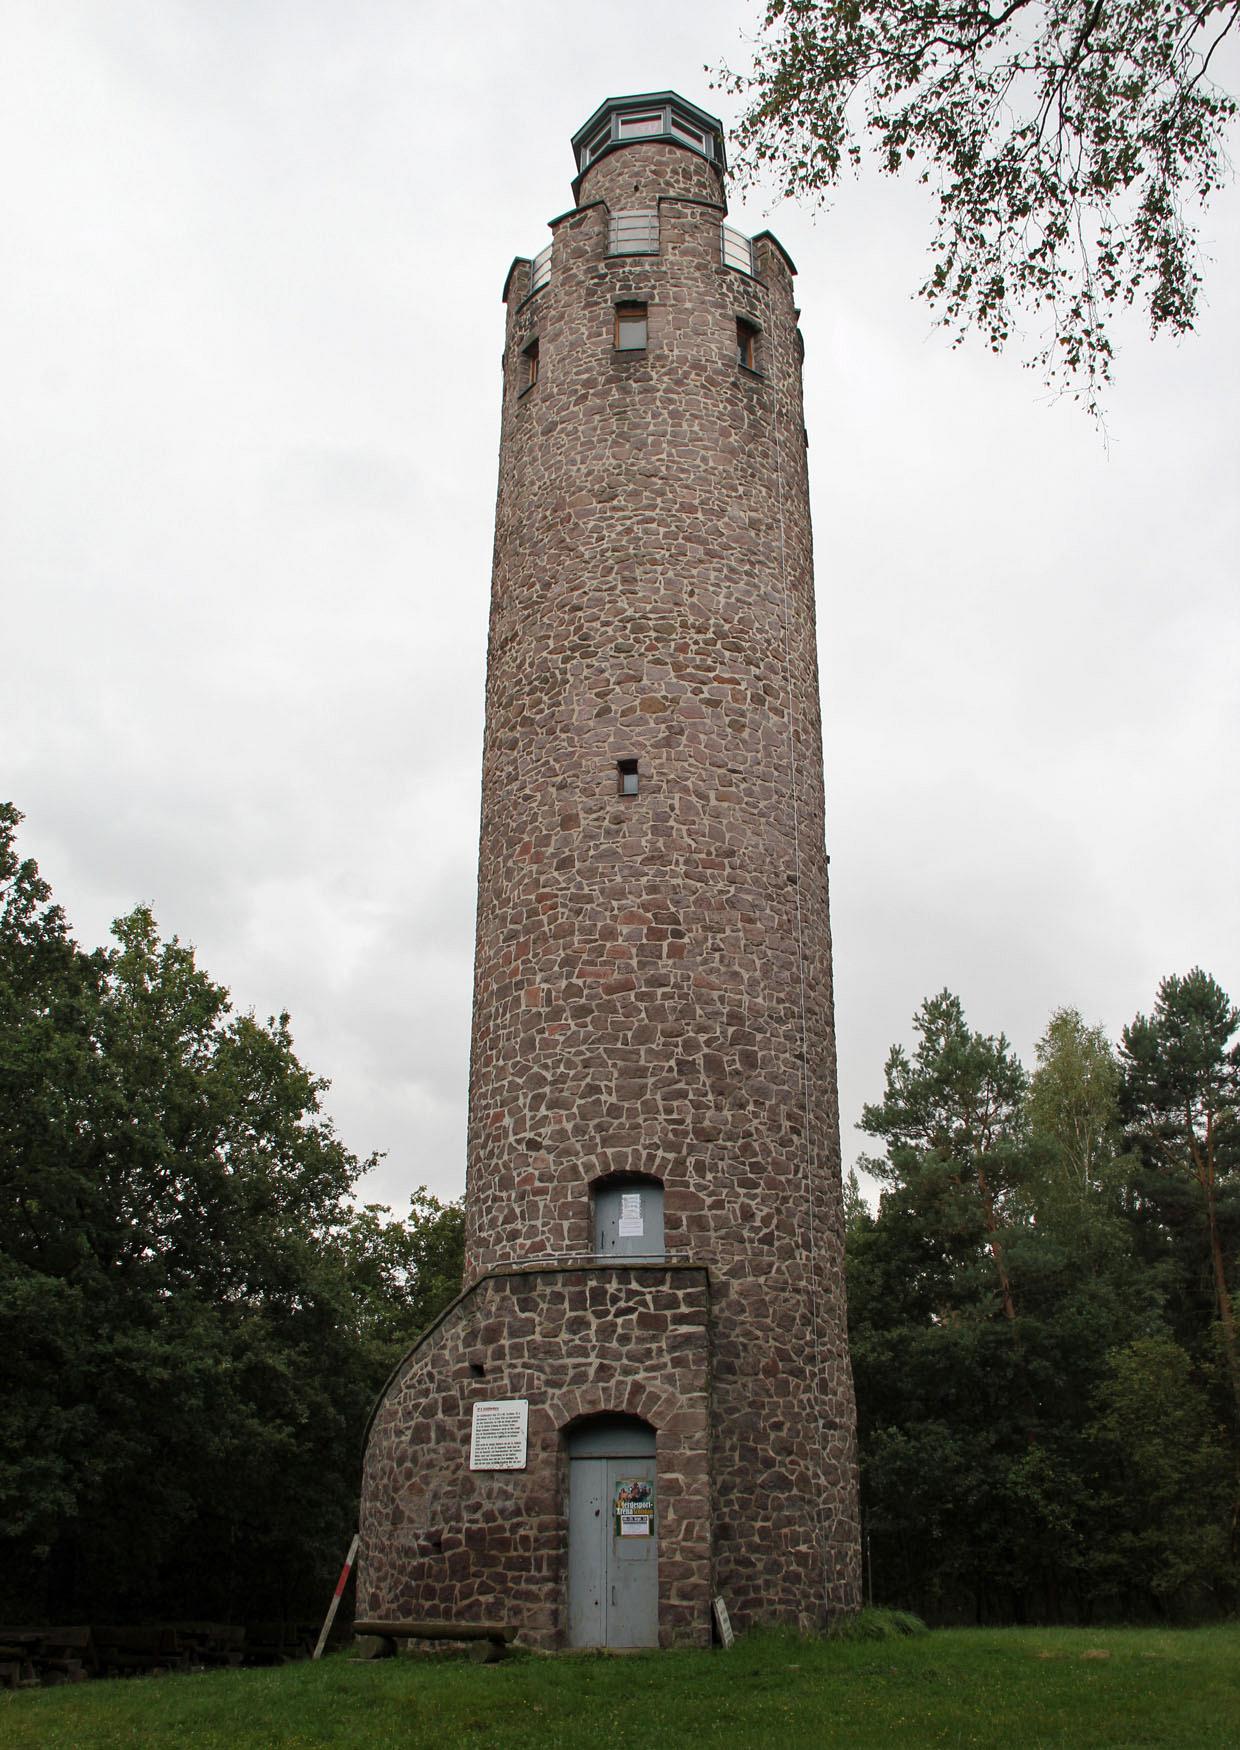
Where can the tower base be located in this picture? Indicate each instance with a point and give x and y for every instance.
(606, 1533)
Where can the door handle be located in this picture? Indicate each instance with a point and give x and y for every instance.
(613, 1594)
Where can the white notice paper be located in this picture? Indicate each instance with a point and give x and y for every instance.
(499, 1435)
(634, 1525)
(631, 1225)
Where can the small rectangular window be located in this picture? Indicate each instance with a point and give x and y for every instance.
(529, 366)
(601, 139)
(628, 1219)
(634, 233)
(746, 344)
(630, 328)
(633, 127)
(699, 140)
(626, 772)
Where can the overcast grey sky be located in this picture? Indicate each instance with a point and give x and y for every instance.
(250, 328)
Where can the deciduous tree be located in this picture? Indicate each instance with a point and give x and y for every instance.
(1166, 1480)
(1074, 1098)
(1068, 145)
(194, 1314)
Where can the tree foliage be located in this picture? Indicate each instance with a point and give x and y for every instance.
(194, 1314)
(1049, 1439)
(1073, 1098)
(1067, 144)
(952, 1120)
(1181, 1096)
(1167, 1478)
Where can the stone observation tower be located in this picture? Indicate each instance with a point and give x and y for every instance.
(642, 1401)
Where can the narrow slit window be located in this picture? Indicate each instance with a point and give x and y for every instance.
(630, 328)
(626, 775)
(529, 366)
(746, 344)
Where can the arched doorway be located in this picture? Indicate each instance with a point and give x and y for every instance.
(613, 1533)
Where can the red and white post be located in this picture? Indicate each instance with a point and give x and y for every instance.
(334, 1606)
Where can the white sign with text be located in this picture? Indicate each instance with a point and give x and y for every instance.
(499, 1434)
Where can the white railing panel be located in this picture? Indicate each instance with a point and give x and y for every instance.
(541, 274)
(736, 250)
(634, 233)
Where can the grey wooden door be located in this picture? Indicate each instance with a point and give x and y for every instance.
(613, 1559)
(632, 1554)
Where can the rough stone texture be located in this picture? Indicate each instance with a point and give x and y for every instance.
(653, 973)
(440, 1540)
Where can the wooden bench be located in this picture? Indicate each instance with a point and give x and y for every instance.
(147, 1651)
(56, 1655)
(65, 1655)
(382, 1636)
(16, 1669)
(278, 1643)
(211, 1643)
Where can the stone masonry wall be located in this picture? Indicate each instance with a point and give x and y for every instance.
(440, 1540)
(653, 973)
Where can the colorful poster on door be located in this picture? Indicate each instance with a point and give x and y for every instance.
(634, 1507)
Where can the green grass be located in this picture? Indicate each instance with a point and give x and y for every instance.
(1019, 1688)
(874, 1624)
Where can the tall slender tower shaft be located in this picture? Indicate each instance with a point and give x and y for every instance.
(653, 1191)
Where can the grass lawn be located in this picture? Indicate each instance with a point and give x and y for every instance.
(1010, 1687)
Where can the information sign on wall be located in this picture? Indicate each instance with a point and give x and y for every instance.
(499, 1434)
